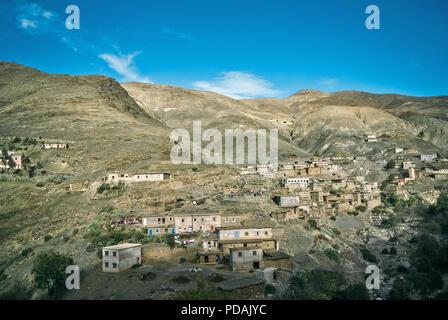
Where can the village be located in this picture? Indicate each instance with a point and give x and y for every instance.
(221, 231)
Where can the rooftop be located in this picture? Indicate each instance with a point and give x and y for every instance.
(123, 246)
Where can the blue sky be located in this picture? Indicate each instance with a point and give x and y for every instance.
(244, 48)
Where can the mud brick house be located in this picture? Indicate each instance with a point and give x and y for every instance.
(15, 158)
(240, 237)
(301, 183)
(209, 257)
(246, 259)
(283, 201)
(197, 222)
(276, 259)
(121, 257)
(428, 157)
(115, 177)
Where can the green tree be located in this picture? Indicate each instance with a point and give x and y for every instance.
(49, 271)
(390, 164)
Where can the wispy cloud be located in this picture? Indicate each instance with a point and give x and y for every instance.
(238, 85)
(178, 34)
(124, 65)
(329, 83)
(33, 18)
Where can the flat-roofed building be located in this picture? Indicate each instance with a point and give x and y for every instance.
(121, 256)
(197, 222)
(115, 177)
(246, 259)
(244, 233)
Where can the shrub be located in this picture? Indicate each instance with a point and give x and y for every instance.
(26, 252)
(385, 251)
(368, 256)
(332, 254)
(361, 208)
(393, 251)
(49, 271)
(47, 238)
(103, 187)
(17, 292)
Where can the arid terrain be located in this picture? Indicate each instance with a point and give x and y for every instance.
(53, 202)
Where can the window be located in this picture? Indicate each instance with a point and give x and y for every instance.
(106, 264)
(254, 253)
(240, 254)
(157, 230)
(227, 219)
(265, 233)
(114, 253)
(214, 219)
(106, 253)
(183, 220)
(114, 265)
(246, 233)
(233, 219)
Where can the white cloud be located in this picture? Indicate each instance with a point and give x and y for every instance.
(238, 85)
(329, 82)
(25, 23)
(32, 17)
(124, 65)
(48, 14)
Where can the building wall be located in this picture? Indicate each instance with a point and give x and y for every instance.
(245, 234)
(196, 223)
(158, 221)
(115, 177)
(270, 244)
(243, 260)
(122, 260)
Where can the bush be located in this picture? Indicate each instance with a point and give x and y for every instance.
(103, 187)
(361, 208)
(47, 238)
(393, 251)
(332, 254)
(99, 253)
(333, 218)
(49, 271)
(26, 252)
(56, 179)
(385, 251)
(17, 292)
(368, 256)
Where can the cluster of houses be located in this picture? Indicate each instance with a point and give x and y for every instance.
(116, 177)
(16, 159)
(223, 240)
(312, 189)
(317, 197)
